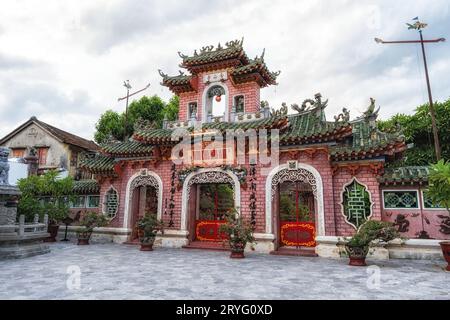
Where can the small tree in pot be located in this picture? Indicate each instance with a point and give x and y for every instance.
(90, 221)
(239, 232)
(439, 191)
(148, 227)
(358, 246)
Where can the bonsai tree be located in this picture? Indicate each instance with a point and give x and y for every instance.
(239, 232)
(148, 227)
(439, 191)
(358, 245)
(90, 221)
(46, 194)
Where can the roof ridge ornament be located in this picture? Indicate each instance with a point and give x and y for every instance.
(371, 114)
(182, 56)
(162, 74)
(343, 117)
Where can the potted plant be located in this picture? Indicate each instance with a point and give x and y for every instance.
(90, 221)
(148, 227)
(439, 191)
(357, 247)
(239, 232)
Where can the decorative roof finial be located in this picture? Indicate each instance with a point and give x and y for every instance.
(162, 74)
(262, 54)
(182, 56)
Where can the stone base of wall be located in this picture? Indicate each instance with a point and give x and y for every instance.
(333, 247)
(264, 243)
(100, 235)
(172, 239)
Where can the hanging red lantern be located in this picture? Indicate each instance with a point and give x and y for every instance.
(218, 98)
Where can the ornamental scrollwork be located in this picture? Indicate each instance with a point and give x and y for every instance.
(144, 181)
(210, 177)
(301, 175)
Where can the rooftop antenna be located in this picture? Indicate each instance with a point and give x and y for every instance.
(127, 85)
(417, 25)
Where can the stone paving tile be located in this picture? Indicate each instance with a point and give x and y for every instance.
(123, 272)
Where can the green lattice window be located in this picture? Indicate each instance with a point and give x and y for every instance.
(356, 203)
(78, 202)
(427, 203)
(111, 204)
(93, 201)
(401, 199)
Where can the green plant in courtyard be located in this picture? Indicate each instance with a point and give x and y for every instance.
(239, 231)
(45, 194)
(93, 220)
(439, 184)
(149, 226)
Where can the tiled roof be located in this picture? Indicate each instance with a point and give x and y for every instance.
(233, 50)
(257, 66)
(128, 148)
(100, 164)
(405, 175)
(62, 135)
(165, 135)
(307, 127)
(368, 142)
(86, 187)
(178, 84)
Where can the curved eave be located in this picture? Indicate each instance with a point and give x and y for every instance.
(320, 137)
(374, 152)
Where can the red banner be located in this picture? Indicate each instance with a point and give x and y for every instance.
(208, 230)
(298, 234)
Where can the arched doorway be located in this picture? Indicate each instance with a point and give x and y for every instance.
(215, 103)
(144, 196)
(207, 195)
(294, 206)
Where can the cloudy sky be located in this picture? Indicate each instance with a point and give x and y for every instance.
(65, 61)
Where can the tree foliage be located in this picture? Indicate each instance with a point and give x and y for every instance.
(439, 184)
(45, 194)
(153, 109)
(418, 131)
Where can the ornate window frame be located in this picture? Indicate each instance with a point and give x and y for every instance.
(188, 107)
(104, 209)
(402, 190)
(341, 203)
(234, 101)
(424, 207)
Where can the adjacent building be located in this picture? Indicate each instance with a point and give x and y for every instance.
(55, 148)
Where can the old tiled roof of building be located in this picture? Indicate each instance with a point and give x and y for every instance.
(405, 175)
(257, 71)
(59, 134)
(87, 186)
(308, 128)
(165, 135)
(99, 164)
(232, 52)
(210, 58)
(368, 142)
(127, 148)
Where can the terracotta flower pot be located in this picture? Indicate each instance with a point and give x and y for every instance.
(146, 247)
(83, 238)
(147, 244)
(237, 250)
(445, 246)
(53, 230)
(357, 255)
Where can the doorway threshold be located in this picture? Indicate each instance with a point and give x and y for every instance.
(206, 245)
(292, 251)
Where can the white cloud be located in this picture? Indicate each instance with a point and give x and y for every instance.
(65, 61)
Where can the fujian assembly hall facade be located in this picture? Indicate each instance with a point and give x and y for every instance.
(330, 176)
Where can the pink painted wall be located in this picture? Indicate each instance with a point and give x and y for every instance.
(250, 91)
(417, 217)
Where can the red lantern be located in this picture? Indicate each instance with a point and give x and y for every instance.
(218, 98)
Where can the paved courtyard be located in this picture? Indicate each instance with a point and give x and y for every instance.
(123, 272)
